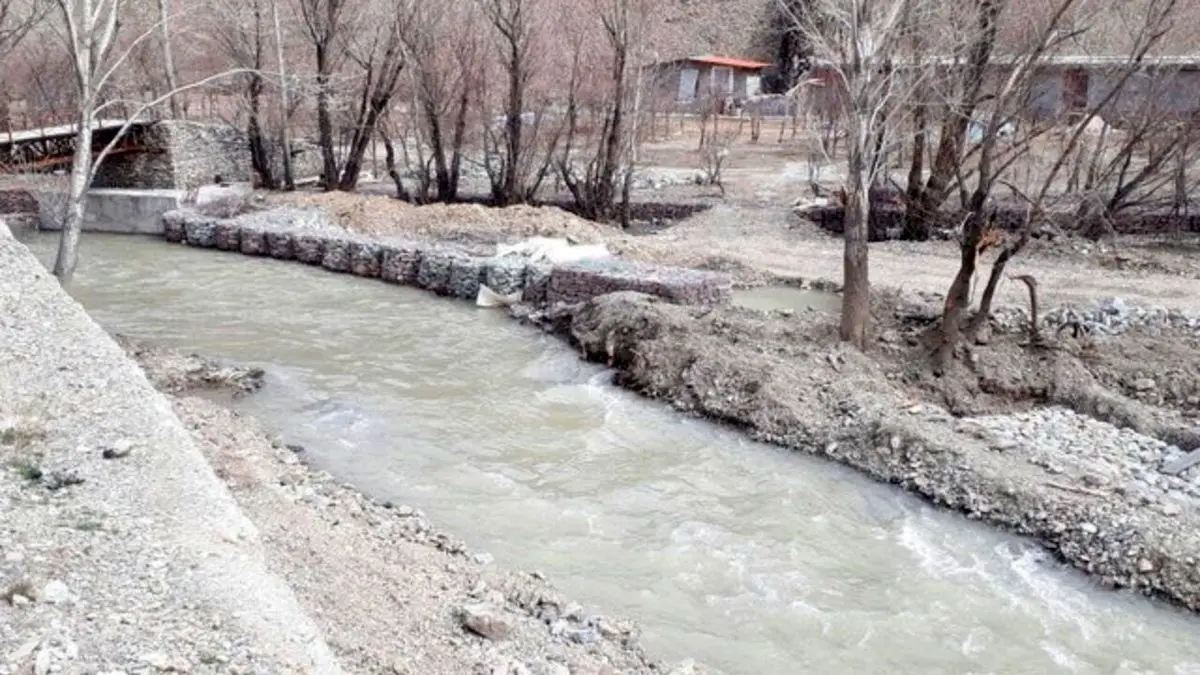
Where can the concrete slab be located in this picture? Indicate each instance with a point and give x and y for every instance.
(115, 210)
(208, 194)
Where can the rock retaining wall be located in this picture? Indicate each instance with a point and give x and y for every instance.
(183, 155)
(308, 236)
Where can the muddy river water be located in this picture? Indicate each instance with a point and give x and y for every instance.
(745, 557)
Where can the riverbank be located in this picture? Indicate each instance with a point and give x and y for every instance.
(156, 531)
(1071, 445)
(1042, 458)
(400, 603)
(121, 552)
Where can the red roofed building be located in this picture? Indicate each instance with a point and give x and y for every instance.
(708, 78)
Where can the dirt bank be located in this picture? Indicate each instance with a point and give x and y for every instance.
(1025, 451)
(390, 592)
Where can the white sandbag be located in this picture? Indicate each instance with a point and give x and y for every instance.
(489, 298)
(552, 250)
(532, 247)
(569, 254)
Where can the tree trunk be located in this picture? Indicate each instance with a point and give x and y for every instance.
(856, 283)
(289, 180)
(329, 168)
(260, 159)
(389, 159)
(81, 170)
(958, 300)
(359, 143)
(510, 188)
(164, 17)
(916, 225)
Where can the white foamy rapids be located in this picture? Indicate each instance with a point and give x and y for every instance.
(931, 556)
(557, 365)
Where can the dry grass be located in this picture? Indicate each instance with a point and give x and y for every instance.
(380, 215)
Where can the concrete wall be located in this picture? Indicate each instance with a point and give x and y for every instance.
(167, 521)
(113, 210)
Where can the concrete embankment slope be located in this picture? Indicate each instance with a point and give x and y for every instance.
(120, 550)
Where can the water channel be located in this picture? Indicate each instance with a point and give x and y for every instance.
(748, 558)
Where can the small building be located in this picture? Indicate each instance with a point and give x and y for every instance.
(1072, 84)
(1063, 85)
(707, 78)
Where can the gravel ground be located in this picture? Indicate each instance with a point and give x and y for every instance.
(757, 239)
(119, 549)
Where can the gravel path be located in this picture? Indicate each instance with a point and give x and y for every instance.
(120, 551)
(767, 238)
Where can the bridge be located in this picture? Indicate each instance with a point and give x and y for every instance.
(48, 149)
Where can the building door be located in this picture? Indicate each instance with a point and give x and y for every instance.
(722, 81)
(688, 80)
(1075, 91)
(753, 85)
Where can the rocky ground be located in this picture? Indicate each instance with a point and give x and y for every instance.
(390, 592)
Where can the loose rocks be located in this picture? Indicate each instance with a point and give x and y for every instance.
(537, 284)
(228, 235)
(200, 231)
(434, 272)
(487, 621)
(365, 259)
(254, 239)
(465, 274)
(337, 254)
(309, 248)
(505, 275)
(279, 245)
(400, 263)
(173, 225)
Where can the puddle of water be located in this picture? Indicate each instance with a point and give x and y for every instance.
(770, 298)
(746, 557)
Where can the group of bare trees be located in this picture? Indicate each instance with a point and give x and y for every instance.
(528, 89)
(955, 86)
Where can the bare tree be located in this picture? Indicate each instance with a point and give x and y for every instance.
(327, 23)
(513, 21)
(993, 164)
(596, 192)
(240, 30)
(381, 56)
(285, 141)
(17, 19)
(90, 29)
(445, 85)
(861, 43)
(168, 53)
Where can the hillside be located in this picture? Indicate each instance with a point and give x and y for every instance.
(725, 27)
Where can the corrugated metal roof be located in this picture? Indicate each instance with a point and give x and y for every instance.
(728, 62)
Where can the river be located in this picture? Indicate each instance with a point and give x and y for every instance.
(746, 557)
